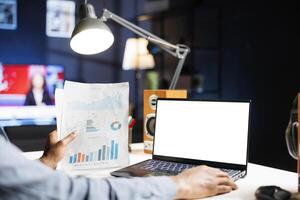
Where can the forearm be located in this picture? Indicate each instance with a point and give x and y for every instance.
(48, 162)
(24, 179)
(142, 188)
(58, 185)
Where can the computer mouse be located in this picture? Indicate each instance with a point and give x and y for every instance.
(265, 193)
(272, 193)
(282, 195)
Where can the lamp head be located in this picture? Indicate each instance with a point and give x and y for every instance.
(90, 35)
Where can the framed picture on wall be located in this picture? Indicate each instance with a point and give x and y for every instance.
(60, 18)
(8, 14)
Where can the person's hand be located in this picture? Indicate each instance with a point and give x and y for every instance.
(202, 181)
(54, 149)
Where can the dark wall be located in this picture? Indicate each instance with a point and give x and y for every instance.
(26, 44)
(259, 63)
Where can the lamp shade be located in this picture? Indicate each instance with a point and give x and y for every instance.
(91, 36)
(136, 55)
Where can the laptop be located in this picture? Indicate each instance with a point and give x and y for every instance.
(189, 133)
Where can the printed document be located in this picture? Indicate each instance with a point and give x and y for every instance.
(98, 115)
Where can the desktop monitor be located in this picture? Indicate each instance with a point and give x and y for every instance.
(27, 93)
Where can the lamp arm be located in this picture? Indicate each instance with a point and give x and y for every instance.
(175, 50)
(178, 71)
(179, 50)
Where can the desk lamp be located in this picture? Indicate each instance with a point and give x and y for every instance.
(91, 36)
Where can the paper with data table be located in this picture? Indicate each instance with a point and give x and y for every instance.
(98, 115)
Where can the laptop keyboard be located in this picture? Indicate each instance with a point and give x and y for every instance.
(231, 172)
(159, 167)
(164, 166)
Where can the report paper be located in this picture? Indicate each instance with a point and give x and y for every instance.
(98, 115)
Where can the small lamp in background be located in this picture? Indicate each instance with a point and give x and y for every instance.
(136, 55)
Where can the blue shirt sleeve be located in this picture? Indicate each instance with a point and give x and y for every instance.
(24, 179)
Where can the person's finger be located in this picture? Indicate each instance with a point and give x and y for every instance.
(213, 170)
(222, 174)
(53, 137)
(69, 138)
(226, 181)
(223, 189)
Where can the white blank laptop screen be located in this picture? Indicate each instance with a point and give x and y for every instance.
(202, 130)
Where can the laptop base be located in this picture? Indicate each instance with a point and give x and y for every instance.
(163, 168)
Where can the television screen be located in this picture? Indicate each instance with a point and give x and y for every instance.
(27, 92)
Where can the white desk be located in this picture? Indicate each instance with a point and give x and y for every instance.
(258, 175)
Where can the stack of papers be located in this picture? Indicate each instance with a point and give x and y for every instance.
(98, 115)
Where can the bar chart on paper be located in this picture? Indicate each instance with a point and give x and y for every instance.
(104, 153)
